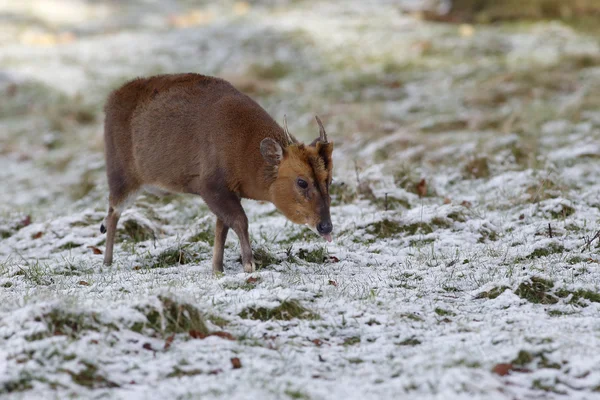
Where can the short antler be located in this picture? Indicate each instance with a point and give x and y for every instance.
(322, 134)
(288, 136)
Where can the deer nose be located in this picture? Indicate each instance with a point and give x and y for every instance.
(324, 227)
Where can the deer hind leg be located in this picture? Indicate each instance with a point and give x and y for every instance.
(120, 197)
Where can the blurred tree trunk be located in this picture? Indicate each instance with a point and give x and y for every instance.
(506, 10)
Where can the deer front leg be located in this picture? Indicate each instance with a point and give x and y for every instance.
(221, 231)
(228, 209)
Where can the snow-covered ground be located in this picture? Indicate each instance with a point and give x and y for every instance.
(466, 204)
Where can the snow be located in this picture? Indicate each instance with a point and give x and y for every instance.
(401, 313)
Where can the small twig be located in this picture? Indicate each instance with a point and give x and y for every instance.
(357, 174)
(588, 242)
(549, 230)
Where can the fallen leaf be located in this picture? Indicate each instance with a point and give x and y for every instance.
(422, 188)
(502, 369)
(215, 371)
(236, 363)
(132, 382)
(522, 216)
(137, 267)
(466, 203)
(317, 342)
(169, 341)
(147, 346)
(95, 249)
(447, 200)
(26, 221)
(93, 341)
(252, 279)
(334, 259)
(333, 283)
(37, 235)
(224, 335)
(83, 283)
(197, 334)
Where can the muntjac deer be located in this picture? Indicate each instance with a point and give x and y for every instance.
(190, 133)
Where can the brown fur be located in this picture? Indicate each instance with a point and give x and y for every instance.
(196, 134)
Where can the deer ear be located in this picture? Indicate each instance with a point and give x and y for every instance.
(271, 151)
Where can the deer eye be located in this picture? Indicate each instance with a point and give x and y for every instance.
(302, 183)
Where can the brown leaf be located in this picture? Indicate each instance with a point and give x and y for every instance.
(83, 283)
(447, 200)
(148, 346)
(224, 335)
(466, 203)
(215, 371)
(26, 221)
(522, 217)
(137, 268)
(333, 283)
(37, 235)
(317, 342)
(252, 279)
(95, 249)
(169, 341)
(197, 334)
(502, 369)
(334, 259)
(236, 363)
(422, 188)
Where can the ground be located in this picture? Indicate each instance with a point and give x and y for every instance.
(465, 209)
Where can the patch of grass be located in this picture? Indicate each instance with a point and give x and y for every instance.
(171, 317)
(296, 394)
(563, 212)
(86, 184)
(576, 260)
(136, 231)
(444, 313)
(274, 71)
(217, 320)
(525, 358)
(341, 193)
(492, 294)
(558, 313)
(89, 377)
(65, 323)
(204, 236)
(411, 341)
(173, 256)
(69, 246)
(318, 255)
(412, 317)
(21, 384)
(553, 248)
(578, 295)
(477, 168)
(263, 257)
(285, 311)
(536, 291)
(351, 341)
(388, 228)
(6, 284)
(546, 189)
(178, 372)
